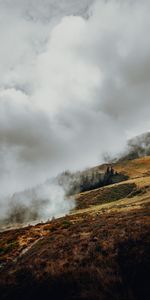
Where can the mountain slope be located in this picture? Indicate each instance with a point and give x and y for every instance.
(99, 251)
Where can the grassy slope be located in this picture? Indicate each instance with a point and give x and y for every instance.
(99, 251)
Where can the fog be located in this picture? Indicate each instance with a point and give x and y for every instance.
(74, 85)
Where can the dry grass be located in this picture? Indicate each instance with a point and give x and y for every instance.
(88, 257)
(135, 168)
(99, 252)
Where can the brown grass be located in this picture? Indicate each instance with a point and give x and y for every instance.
(100, 251)
(96, 256)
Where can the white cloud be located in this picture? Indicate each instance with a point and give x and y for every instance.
(72, 87)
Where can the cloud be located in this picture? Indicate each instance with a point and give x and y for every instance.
(74, 84)
(41, 203)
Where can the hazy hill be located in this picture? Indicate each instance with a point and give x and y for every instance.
(138, 146)
(99, 251)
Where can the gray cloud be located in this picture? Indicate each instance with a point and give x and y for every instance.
(72, 87)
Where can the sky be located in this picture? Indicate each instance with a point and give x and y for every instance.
(74, 85)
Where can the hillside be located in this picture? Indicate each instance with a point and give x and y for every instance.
(99, 251)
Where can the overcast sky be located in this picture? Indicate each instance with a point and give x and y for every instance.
(74, 84)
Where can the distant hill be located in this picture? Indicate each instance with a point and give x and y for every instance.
(96, 177)
(138, 146)
(127, 166)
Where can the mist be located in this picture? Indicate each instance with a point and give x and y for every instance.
(74, 85)
(39, 204)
